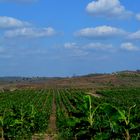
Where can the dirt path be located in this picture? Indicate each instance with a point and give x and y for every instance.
(51, 133)
(52, 122)
(52, 129)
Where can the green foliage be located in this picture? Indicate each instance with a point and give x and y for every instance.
(24, 113)
(96, 119)
(115, 116)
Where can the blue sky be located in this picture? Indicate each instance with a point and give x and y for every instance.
(64, 38)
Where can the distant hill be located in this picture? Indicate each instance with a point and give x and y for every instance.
(94, 80)
(128, 73)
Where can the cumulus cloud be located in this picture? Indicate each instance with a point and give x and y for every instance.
(129, 47)
(134, 36)
(99, 46)
(10, 22)
(30, 32)
(100, 32)
(14, 28)
(108, 8)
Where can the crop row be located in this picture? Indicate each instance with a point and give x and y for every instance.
(24, 113)
(115, 115)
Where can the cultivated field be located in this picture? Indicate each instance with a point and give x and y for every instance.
(70, 114)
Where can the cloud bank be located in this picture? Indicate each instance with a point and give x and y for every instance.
(100, 32)
(30, 32)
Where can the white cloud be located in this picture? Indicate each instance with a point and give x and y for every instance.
(129, 47)
(78, 52)
(107, 8)
(77, 49)
(30, 32)
(138, 16)
(18, 28)
(134, 36)
(99, 46)
(100, 32)
(96, 46)
(70, 45)
(10, 22)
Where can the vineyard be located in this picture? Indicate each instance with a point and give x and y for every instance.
(79, 115)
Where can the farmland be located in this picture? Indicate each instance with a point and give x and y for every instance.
(70, 113)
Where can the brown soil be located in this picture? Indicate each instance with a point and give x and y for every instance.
(52, 130)
(52, 123)
(51, 133)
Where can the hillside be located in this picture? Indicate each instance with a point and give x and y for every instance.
(118, 79)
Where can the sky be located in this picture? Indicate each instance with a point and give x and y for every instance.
(68, 37)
